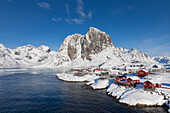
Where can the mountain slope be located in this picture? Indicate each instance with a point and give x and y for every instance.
(26, 56)
(5, 57)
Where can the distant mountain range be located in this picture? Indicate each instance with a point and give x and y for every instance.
(92, 49)
(162, 59)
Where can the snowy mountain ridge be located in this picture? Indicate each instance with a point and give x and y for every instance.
(162, 59)
(25, 56)
(92, 49)
(134, 56)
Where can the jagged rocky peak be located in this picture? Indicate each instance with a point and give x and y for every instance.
(119, 49)
(24, 48)
(80, 46)
(94, 42)
(44, 48)
(138, 52)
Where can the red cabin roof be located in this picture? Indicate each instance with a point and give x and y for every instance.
(148, 84)
(88, 70)
(142, 73)
(129, 80)
(98, 69)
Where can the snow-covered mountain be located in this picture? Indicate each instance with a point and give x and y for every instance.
(80, 50)
(5, 57)
(134, 56)
(26, 56)
(93, 48)
(162, 59)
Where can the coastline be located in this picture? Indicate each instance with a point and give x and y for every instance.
(96, 85)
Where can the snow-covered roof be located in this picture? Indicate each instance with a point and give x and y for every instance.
(144, 70)
(133, 77)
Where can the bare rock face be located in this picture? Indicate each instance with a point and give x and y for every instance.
(79, 46)
(94, 42)
(71, 47)
(74, 46)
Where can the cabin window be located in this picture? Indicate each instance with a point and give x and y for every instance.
(150, 85)
(145, 84)
(132, 82)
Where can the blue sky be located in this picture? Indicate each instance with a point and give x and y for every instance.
(141, 24)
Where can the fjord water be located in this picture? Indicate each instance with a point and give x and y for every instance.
(38, 90)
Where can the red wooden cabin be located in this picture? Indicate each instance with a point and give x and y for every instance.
(88, 70)
(148, 84)
(120, 78)
(98, 69)
(142, 73)
(132, 82)
(126, 81)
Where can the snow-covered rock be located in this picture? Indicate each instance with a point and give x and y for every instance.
(75, 78)
(100, 84)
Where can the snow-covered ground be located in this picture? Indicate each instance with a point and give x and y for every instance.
(100, 84)
(128, 95)
(135, 96)
(74, 78)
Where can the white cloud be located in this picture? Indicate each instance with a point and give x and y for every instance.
(90, 15)
(68, 20)
(148, 40)
(80, 7)
(44, 5)
(82, 16)
(158, 50)
(156, 39)
(67, 8)
(78, 21)
(165, 54)
(56, 19)
(123, 9)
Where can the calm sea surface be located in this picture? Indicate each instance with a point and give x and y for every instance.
(38, 90)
